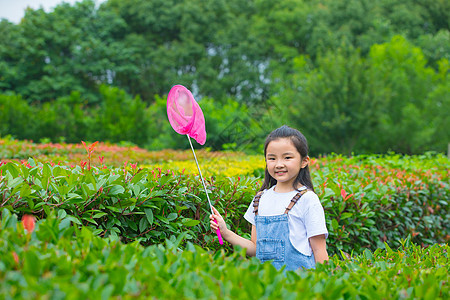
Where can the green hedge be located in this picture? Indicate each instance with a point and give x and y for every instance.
(60, 261)
(368, 200)
(120, 117)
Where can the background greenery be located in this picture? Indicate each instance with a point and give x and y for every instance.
(355, 76)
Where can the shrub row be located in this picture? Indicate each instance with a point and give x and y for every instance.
(102, 154)
(119, 117)
(367, 200)
(60, 261)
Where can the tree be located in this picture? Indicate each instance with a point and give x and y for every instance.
(72, 48)
(416, 98)
(389, 101)
(331, 104)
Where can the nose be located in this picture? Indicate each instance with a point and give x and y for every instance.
(279, 164)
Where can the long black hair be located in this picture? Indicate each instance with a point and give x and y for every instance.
(301, 144)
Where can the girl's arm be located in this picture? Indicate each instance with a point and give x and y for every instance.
(319, 247)
(232, 237)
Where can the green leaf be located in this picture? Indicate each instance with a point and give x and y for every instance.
(115, 190)
(334, 224)
(90, 220)
(65, 223)
(172, 216)
(190, 222)
(132, 225)
(136, 189)
(6, 215)
(162, 219)
(62, 214)
(99, 215)
(143, 224)
(63, 190)
(13, 169)
(125, 203)
(100, 183)
(368, 254)
(112, 208)
(346, 215)
(74, 198)
(14, 183)
(113, 178)
(32, 264)
(25, 190)
(328, 192)
(30, 203)
(138, 177)
(149, 215)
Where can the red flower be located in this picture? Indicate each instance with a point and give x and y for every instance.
(28, 222)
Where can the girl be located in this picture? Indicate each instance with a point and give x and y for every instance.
(288, 221)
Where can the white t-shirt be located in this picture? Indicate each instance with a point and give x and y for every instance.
(305, 219)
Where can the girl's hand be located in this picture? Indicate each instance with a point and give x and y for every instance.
(220, 222)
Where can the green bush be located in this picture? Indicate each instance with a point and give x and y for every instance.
(368, 200)
(373, 199)
(119, 118)
(16, 117)
(57, 260)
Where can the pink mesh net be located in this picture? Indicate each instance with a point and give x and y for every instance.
(185, 115)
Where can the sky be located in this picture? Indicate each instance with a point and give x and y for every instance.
(14, 10)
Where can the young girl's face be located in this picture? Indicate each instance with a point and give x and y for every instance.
(284, 162)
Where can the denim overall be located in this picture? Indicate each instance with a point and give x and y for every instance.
(273, 243)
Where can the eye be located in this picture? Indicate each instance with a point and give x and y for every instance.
(288, 157)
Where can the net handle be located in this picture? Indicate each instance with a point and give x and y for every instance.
(204, 186)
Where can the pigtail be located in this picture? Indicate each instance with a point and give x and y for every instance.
(268, 182)
(304, 178)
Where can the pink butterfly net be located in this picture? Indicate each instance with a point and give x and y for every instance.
(185, 115)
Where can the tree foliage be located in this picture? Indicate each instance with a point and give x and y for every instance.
(389, 101)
